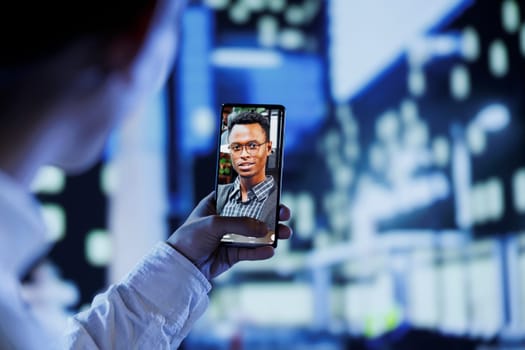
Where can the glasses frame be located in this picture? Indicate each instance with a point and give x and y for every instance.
(244, 147)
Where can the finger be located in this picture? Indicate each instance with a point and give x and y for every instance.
(284, 232)
(243, 226)
(205, 207)
(284, 213)
(259, 253)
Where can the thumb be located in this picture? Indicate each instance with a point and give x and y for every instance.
(205, 207)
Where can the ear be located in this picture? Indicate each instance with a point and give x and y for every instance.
(269, 147)
(125, 46)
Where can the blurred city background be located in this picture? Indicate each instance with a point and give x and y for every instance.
(403, 167)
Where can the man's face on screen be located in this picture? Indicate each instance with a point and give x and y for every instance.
(249, 149)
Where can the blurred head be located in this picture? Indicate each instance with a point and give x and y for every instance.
(226, 111)
(250, 146)
(73, 70)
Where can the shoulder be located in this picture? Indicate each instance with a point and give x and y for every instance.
(222, 195)
(224, 188)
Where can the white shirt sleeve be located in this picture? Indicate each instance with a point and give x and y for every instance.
(153, 308)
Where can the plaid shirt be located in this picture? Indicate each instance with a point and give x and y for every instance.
(234, 206)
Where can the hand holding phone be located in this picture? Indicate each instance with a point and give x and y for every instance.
(198, 239)
(249, 167)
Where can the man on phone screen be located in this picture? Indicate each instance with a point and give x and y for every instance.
(253, 191)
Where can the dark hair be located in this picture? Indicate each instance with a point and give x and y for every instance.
(250, 117)
(39, 29)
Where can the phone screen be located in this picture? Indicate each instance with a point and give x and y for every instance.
(249, 167)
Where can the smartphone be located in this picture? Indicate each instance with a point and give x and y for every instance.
(249, 167)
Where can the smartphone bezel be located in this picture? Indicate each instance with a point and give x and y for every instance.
(279, 166)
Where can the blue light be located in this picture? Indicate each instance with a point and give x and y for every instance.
(366, 37)
(245, 58)
(194, 82)
(494, 117)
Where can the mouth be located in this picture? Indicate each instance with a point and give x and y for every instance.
(245, 165)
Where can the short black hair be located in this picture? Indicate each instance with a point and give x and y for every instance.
(250, 117)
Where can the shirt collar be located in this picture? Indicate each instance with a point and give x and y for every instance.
(23, 236)
(259, 191)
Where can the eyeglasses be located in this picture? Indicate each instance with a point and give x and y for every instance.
(250, 147)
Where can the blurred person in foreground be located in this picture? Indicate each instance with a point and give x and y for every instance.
(69, 74)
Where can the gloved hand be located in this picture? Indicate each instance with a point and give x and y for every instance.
(198, 239)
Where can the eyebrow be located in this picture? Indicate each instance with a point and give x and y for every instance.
(233, 143)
